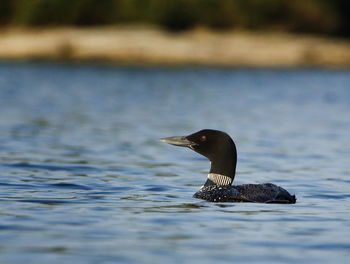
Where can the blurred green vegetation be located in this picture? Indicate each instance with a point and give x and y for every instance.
(331, 17)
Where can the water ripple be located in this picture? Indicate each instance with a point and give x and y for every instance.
(29, 166)
(67, 185)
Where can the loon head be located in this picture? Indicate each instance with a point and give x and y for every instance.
(218, 147)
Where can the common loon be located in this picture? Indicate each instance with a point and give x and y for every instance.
(220, 149)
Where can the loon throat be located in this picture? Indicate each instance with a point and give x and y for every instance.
(219, 179)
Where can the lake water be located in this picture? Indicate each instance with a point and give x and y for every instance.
(84, 178)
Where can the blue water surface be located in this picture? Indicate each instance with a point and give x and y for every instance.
(84, 179)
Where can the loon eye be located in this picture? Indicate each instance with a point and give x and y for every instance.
(203, 138)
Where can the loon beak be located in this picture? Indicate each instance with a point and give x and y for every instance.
(179, 141)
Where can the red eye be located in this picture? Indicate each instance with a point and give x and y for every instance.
(203, 138)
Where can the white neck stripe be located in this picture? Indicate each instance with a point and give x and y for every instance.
(219, 179)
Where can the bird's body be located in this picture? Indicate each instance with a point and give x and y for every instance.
(253, 193)
(220, 149)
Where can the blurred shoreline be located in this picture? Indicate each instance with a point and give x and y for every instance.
(152, 46)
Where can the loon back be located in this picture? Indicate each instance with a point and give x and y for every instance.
(253, 193)
(220, 149)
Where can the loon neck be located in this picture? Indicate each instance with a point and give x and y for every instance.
(223, 169)
(218, 179)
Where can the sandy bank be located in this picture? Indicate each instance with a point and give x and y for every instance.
(151, 46)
